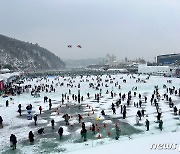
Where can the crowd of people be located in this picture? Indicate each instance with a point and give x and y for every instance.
(124, 101)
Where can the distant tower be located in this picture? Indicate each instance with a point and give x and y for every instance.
(126, 59)
(108, 58)
(155, 60)
(113, 58)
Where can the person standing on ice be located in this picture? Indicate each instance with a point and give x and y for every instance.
(45, 99)
(147, 124)
(124, 114)
(159, 114)
(19, 106)
(121, 109)
(66, 118)
(145, 98)
(60, 132)
(114, 110)
(140, 103)
(35, 119)
(40, 109)
(84, 134)
(19, 109)
(175, 110)
(112, 105)
(139, 114)
(93, 129)
(88, 95)
(52, 123)
(117, 132)
(160, 124)
(31, 137)
(112, 94)
(83, 125)
(7, 103)
(151, 100)
(62, 100)
(79, 118)
(137, 119)
(103, 113)
(1, 120)
(50, 104)
(13, 141)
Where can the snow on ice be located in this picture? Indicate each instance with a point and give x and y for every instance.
(133, 137)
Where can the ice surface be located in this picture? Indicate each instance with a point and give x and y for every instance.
(90, 109)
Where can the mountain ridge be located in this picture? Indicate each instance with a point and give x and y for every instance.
(22, 55)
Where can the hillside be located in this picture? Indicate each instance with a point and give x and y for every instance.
(21, 55)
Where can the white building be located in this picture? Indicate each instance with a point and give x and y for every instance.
(157, 70)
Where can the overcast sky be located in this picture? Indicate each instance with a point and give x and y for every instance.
(125, 28)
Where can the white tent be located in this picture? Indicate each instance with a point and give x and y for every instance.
(8, 76)
(5, 70)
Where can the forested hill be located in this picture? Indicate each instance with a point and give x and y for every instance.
(15, 54)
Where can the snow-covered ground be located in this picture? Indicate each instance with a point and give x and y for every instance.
(134, 138)
(163, 143)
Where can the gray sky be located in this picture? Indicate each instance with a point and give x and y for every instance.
(125, 28)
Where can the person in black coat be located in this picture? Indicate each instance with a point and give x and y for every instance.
(79, 118)
(35, 119)
(175, 110)
(114, 110)
(19, 109)
(124, 114)
(84, 134)
(60, 132)
(159, 116)
(139, 114)
(50, 104)
(7, 103)
(103, 113)
(93, 129)
(19, 106)
(52, 123)
(13, 141)
(45, 99)
(31, 137)
(41, 130)
(83, 125)
(147, 124)
(1, 120)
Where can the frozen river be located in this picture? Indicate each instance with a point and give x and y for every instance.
(90, 110)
